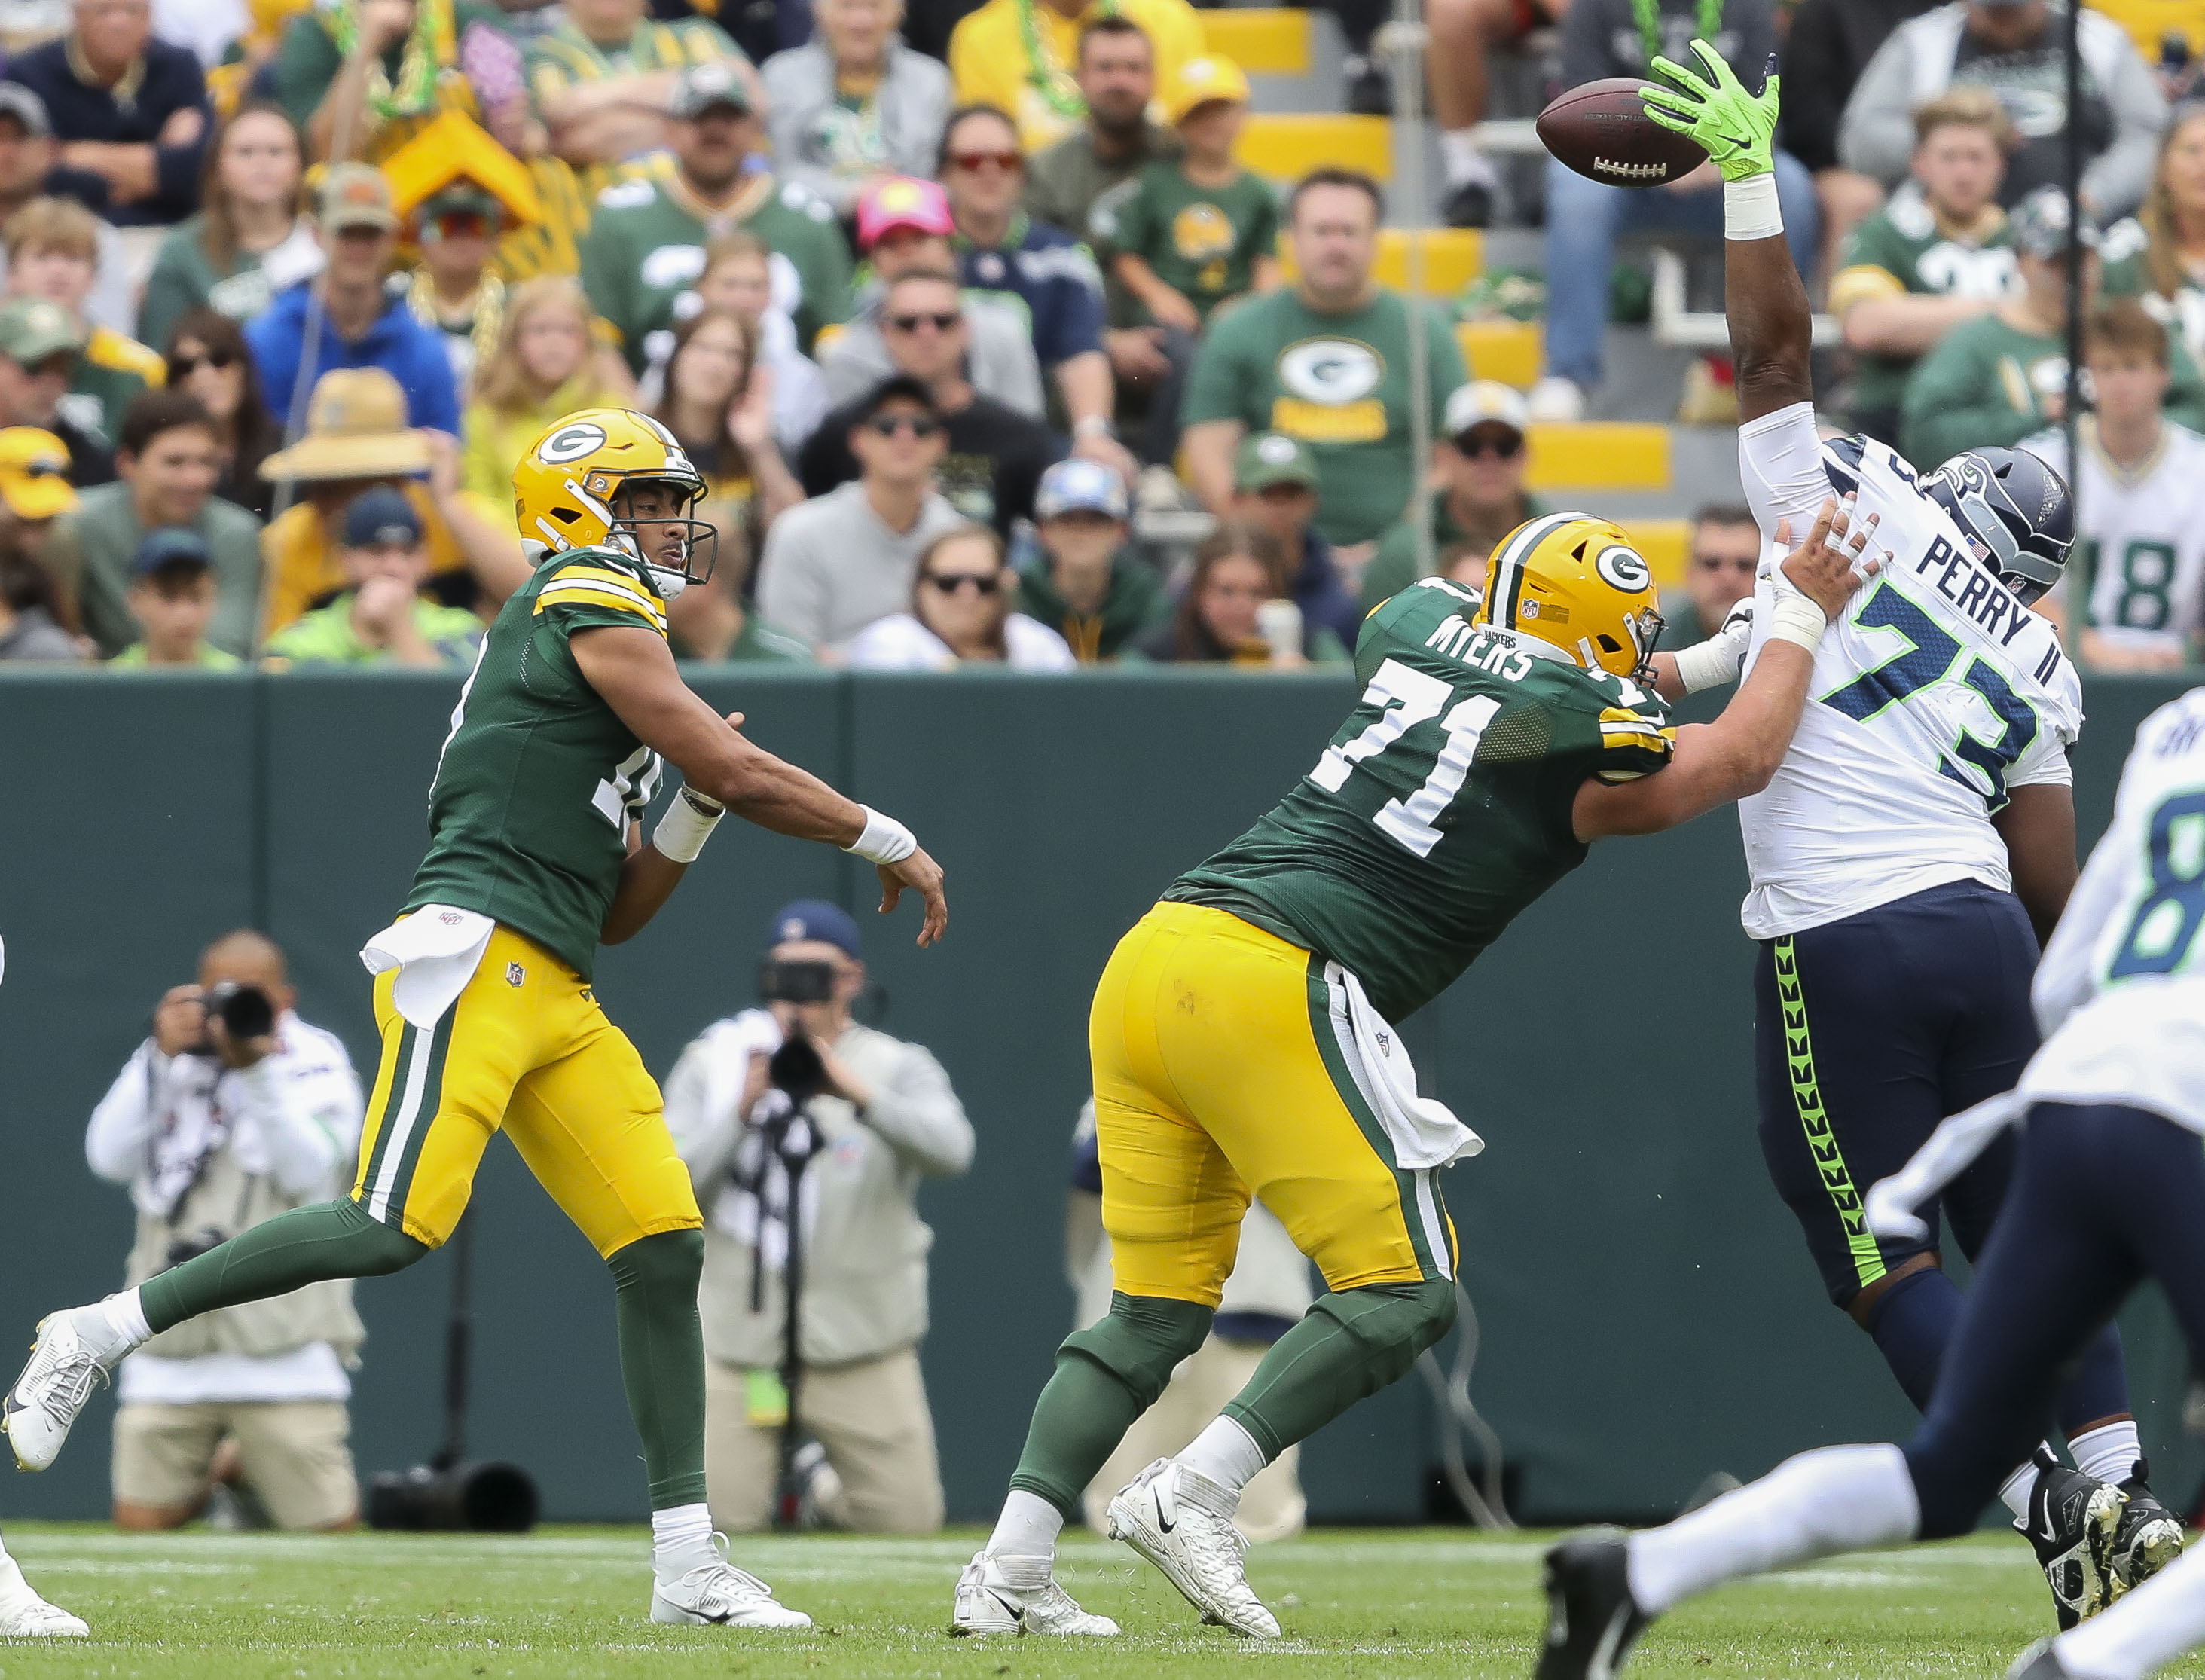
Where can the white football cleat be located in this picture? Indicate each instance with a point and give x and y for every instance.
(25, 1615)
(720, 1594)
(1019, 1596)
(1178, 1521)
(69, 1356)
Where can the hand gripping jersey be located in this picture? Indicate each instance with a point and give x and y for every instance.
(2121, 990)
(2143, 537)
(1443, 805)
(1934, 694)
(529, 814)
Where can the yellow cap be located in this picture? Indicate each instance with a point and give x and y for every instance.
(34, 468)
(1200, 81)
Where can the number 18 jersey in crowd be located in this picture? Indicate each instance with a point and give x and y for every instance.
(1934, 694)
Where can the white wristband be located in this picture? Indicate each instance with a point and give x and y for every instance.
(687, 824)
(1750, 209)
(884, 841)
(1704, 664)
(1797, 620)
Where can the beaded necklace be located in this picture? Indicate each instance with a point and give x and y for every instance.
(1048, 78)
(1707, 24)
(427, 44)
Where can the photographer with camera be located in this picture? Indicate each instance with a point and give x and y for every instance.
(807, 1136)
(234, 1111)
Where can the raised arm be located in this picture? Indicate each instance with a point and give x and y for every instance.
(634, 671)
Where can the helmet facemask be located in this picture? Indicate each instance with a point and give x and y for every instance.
(680, 550)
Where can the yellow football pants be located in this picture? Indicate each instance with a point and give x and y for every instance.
(527, 1050)
(1217, 1073)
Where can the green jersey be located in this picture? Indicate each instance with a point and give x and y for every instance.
(539, 779)
(2124, 248)
(1904, 248)
(1338, 383)
(645, 249)
(1442, 807)
(1202, 241)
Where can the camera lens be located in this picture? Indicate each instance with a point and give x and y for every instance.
(246, 1011)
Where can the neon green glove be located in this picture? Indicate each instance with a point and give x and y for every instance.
(1737, 129)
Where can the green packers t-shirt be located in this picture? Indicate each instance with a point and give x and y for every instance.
(1904, 248)
(1202, 241)
(2123, 249)
(1338, 383)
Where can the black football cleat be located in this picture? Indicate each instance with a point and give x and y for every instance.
(2072, 1520)
(2039, 1662)
(2149, 1536)
(1592, 1618)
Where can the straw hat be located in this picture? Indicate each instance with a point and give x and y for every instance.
(356, 429)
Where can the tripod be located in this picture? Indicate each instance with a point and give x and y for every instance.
(791, 1137)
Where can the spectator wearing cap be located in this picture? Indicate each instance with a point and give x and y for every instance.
(34, 488)
(452, 289)
(39, 349)
(129, 111)
(53, 253)
(2017, 48)
(1725, 553)
(382, 618)
(1274, 481)
(362, 325)
(1478, 494)
(904, 224)
(1020, 55)
(645, 246)
(1996, 379)
(888, 1121)
(27, 159)
(855, 105)
(172, 596)
(1083, 581)
(1048, 272)
(835, 564)
(996, 455)
(357, 438)
(602, 80)
(169, 461)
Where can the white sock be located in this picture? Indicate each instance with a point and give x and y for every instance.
(2147, 1629)
(1028, 1527)
(680, 1540)
(126, 1313)
(1840, 1498)
(2014, 1491)
(1461, 161)
(2109, 1453)
(1226, 1454)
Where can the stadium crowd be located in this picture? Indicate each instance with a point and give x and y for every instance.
(286, 291)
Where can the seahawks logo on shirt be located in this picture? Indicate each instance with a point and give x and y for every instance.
(1331, 370)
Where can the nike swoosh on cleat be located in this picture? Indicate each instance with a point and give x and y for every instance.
(2050, 1533)
(1017, 1612)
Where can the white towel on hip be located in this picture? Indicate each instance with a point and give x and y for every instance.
(1425, 1131)
(435, 951)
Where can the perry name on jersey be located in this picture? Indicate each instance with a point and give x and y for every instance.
(1444, 803)
(1935, 693)
(539, 779)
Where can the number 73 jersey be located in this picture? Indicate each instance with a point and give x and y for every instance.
(1443, 805)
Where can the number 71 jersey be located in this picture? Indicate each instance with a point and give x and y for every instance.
(1935, 694)
(1444, 804)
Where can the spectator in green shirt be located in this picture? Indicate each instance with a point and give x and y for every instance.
(1274, 483)
(172, 595)
(383, 618)
(1477, 498)
(1084, 583)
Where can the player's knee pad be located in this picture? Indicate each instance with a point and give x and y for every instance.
(1141, 1340)
(670, 1262)
(1393, 1323)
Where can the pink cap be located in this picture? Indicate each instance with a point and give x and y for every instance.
(902, 201)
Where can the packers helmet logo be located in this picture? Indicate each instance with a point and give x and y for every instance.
(1333, 371)
(1622, 568)
(570, 443)
(1200, 232)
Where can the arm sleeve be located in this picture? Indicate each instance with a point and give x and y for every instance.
(2115, 181)
(115, 1142)
(918, 1116)
(1877, 135)
(1780, 457)
(310, 1112)
(704, 1141)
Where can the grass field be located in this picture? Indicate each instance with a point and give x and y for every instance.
(1373, 1605)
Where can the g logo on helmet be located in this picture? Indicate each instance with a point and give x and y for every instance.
(1622, 568)
(571, 442)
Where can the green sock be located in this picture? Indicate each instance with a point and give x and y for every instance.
(1106, 1375)
(662, 1351)
(1351, 1344)
(307, 1245)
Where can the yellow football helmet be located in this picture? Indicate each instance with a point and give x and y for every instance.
(1577, 583)
(565, 489)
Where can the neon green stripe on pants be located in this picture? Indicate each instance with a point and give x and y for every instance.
(1814, 1121)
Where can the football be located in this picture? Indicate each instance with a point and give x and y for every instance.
(1602, 132)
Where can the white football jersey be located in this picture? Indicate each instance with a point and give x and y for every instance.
(2121, 990)
(1935, 693)
(2143, 537)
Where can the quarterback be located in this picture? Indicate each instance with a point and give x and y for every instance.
(482, 993)
(1241, 1034)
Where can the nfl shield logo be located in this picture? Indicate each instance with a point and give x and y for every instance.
(514, 974)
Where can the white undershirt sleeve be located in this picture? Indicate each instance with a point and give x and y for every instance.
(1779, 457)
